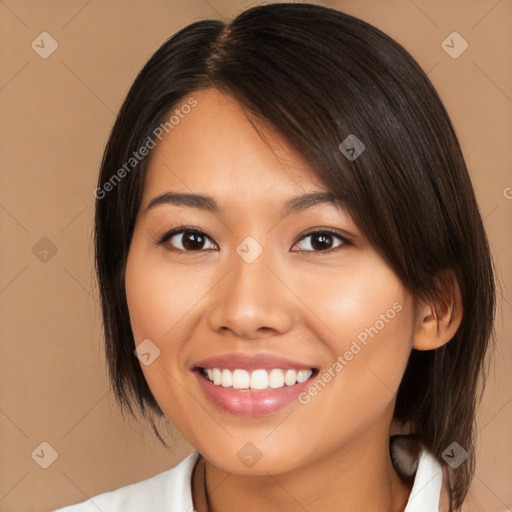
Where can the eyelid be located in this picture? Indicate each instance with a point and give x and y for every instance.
(183, 229)
(345, 238)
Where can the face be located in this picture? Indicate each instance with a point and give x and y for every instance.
(248, 290)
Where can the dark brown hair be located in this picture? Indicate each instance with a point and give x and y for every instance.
(318, 75)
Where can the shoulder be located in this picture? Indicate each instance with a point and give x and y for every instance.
(169, 491)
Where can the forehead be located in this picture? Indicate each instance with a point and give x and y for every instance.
(219, 147)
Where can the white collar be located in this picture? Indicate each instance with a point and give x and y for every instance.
(426, 491)
(424, 497)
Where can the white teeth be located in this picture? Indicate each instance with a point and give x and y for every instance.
(276, 379)
(217, 376)
(258, 379)
(303, 375)
(227, 379)
(240, 379)
(290, 377)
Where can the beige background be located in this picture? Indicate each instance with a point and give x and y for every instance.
(56, 116)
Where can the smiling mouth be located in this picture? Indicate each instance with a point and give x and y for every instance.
(256, 380)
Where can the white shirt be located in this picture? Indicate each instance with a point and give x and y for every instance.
(171, 491)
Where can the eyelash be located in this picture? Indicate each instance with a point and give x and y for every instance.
(185, 229)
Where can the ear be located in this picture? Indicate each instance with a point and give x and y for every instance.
(438, 321)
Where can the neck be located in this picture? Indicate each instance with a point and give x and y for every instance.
(356, 477)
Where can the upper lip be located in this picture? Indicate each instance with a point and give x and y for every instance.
(250, 362)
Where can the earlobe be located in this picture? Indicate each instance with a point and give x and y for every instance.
(438, 321)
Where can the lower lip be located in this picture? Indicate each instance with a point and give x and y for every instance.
(250, 402)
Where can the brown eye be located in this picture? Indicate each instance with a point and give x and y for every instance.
(187, 240)
(322, 241)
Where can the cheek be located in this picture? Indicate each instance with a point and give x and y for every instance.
(349, 301)
(159, 298)
(158, 303)
(368, 320)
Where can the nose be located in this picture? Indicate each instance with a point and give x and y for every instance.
(252, 301)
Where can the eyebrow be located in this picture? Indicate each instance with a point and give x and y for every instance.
(208, 203)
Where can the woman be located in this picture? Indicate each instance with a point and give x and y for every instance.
(293, 270)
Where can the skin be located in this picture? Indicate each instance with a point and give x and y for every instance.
(294, 300)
